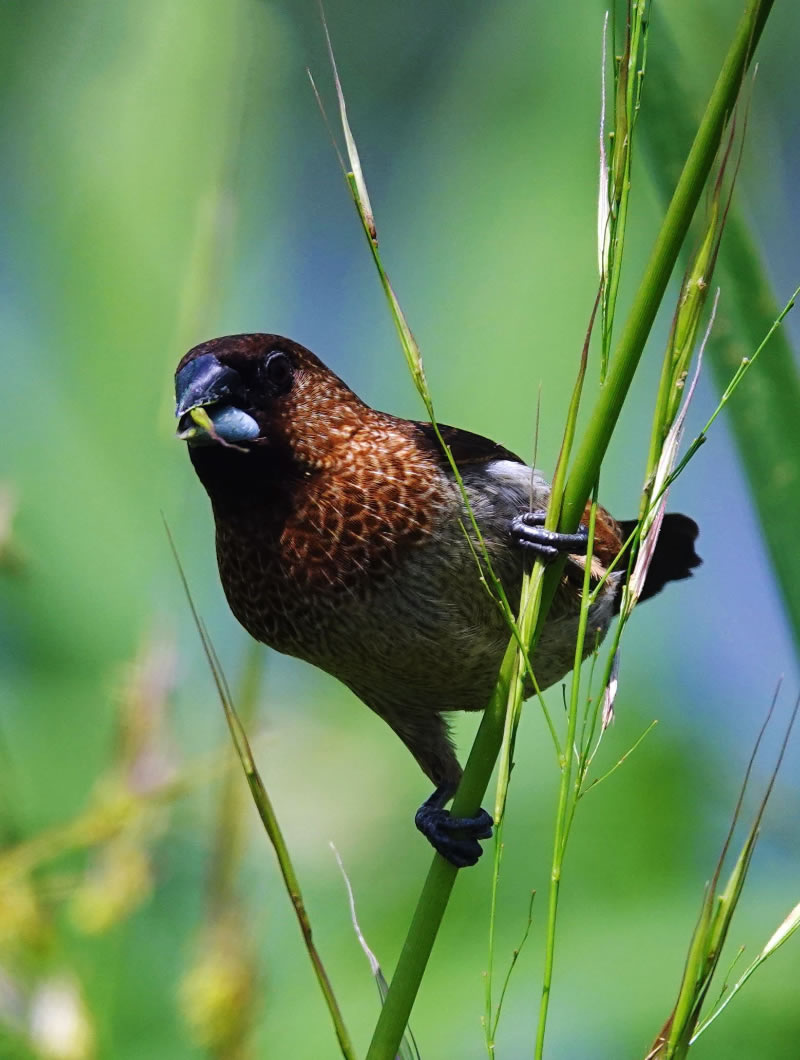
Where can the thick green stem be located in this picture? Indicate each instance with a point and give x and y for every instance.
(439, 883)
(441, 877)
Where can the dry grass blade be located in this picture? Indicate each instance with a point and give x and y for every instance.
(408, 1047)
(352, 149)
(651, 523)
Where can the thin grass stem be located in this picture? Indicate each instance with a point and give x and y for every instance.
(268, 818)
(566, 798)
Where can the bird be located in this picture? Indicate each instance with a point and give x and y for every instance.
(341, 540)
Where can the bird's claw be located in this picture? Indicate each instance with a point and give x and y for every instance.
(455, 838)
(528, 532)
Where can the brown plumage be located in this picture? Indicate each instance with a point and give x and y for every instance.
(340, 541)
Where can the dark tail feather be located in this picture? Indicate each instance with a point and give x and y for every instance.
(674, 557)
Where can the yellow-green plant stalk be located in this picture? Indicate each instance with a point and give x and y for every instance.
(231, 815)
(218, 991)
(263, 805)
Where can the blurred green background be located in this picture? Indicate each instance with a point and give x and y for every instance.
(166, 178)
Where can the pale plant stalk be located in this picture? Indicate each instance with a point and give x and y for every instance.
(408, 1047)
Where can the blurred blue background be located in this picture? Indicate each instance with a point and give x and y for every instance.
(167, 177)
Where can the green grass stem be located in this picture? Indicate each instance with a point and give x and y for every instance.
(441, 877)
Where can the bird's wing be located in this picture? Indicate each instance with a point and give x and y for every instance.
(467, 448)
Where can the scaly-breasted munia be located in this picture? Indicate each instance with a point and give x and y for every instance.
(340, 540)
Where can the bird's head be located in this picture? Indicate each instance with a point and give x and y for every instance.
(257, 392)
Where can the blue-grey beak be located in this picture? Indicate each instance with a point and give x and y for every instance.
(204, 383)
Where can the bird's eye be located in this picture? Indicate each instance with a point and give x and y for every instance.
(277, 371)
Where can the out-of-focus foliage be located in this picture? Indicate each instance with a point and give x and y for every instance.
(166, 177)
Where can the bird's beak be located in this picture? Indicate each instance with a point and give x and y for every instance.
(204, 394)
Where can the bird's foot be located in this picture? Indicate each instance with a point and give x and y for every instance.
(528, 531)
(455, 838)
